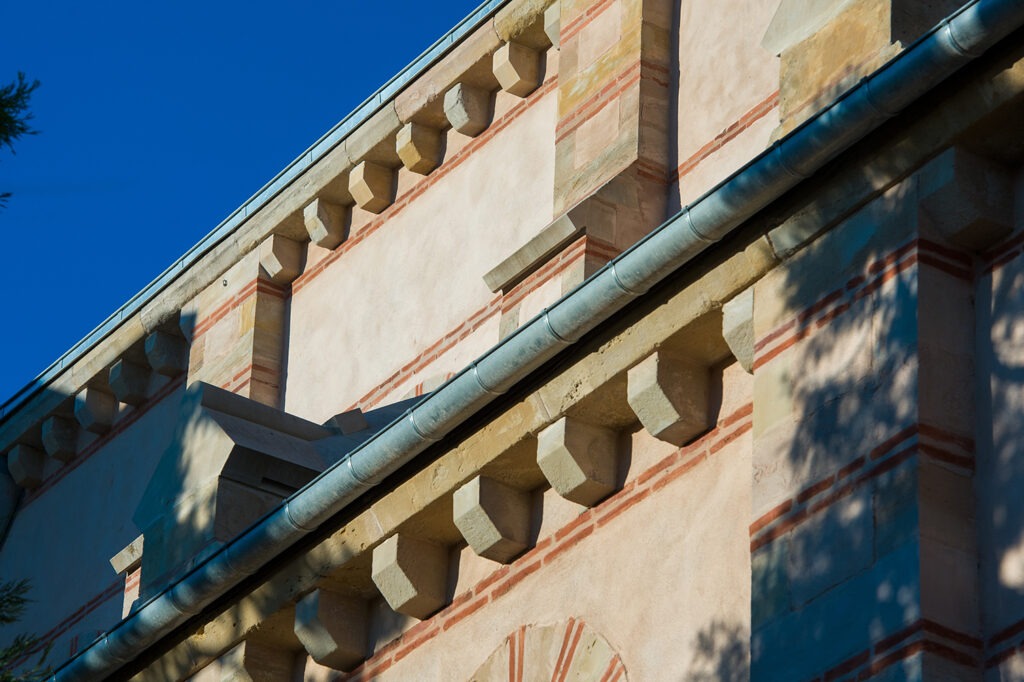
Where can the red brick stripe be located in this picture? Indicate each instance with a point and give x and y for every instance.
(549, 549)
(428, 181)
(95, 446)
(729, 133)
(888, 455)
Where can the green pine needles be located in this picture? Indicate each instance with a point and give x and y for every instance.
(15, 665)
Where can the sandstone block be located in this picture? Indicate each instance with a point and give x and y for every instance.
(252, 661)
(968, 199)
(494, 518)
(332, 628)
(325, 222)
(167, 354)
(281, 259)
(580, 460)
(669, 395)
(419, 147)
(129, 382)
(738, 328)
(95, 410)
(25, 464)
(60, 437)
(468, 109)
(411, 574)
(517, 68)
(552, 22)
(372, 186)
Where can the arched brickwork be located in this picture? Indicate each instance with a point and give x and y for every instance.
(561, 652)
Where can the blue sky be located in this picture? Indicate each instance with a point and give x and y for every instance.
(156, 120)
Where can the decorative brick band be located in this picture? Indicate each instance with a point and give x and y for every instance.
(924, 636)
(583, 247)
(837, 302)
(731, 131)
(1002, 254)
(429, 355)
(504, 579)
(46, 640)
(94, 447)
(257, 285)
(1004, 644)
(918, 439)
(428, 181)
(590, 107)
(580, 22)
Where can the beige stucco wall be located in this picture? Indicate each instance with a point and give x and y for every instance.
(727, 82)
(420, 275)
(63, 537)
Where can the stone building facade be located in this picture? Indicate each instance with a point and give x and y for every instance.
(612, 340)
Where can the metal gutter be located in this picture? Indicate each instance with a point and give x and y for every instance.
(960, 38)
(326, 143)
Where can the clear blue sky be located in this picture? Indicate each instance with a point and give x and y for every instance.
(156, 120)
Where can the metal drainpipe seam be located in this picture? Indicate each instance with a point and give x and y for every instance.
(551, 330)
(951, 39)
(922, 68)
(365, 483)
(480, 382)
(291, 519)
(625, 289)
(693, 228)
(869, 98)
(410, 416)
(777, 152)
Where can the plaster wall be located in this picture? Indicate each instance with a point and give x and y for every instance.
(1000, 329)
(408, 284)
(64, 537)
(726, 94)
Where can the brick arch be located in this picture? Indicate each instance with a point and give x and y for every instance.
(561, 652)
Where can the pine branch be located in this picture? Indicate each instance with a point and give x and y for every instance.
(14, 113)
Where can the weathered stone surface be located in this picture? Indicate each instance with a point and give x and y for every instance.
(372, 186)
(60, 437)
(129, 381)
(95, 409)
(738, 328)
(25, 464)
(252, 661)
(326, 222)
(281, 259)
(968, 199)
(522, 21)
(332, 628)
(669, 395)
(128, 557)
(517, 68)
(167, 354)
(580, 460)
(411, 574)
(374, 139)
(494, 518)
(552, 22)
(468, 109)
(419, 147)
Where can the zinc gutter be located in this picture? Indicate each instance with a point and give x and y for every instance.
(261, 198)
(962, 37)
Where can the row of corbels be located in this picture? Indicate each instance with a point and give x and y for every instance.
(417, 145)
(108, 397)
(668, 393)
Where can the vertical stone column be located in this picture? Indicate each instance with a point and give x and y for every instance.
(863, 541)
(614, 82)
(238, 324)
